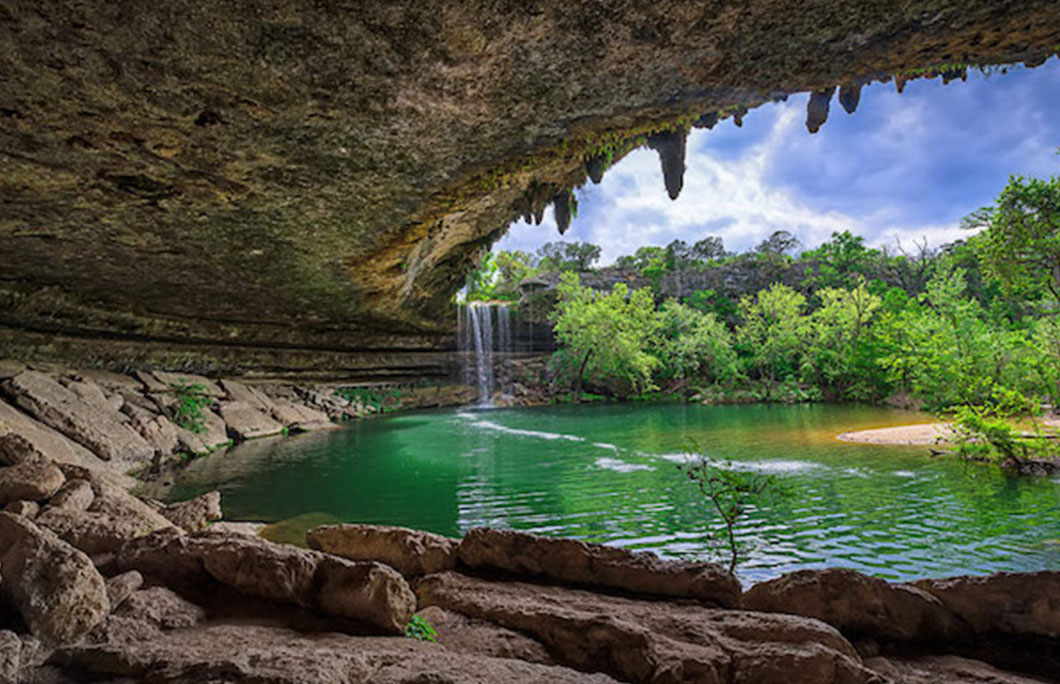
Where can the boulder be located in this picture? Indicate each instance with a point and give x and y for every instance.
(300, 417)
(48, 443)
(9, 368)
(411, 552)
(90, 393)
(27, 509)
(158, 430)
(1006, 603)
(252, 396)
(75, 495)
(56, 588)
(458, 632)
(857, 605)
(654, 641)
(120, 587)
(252, 653)
(33, 481)
(945, 669)
(99, 428)
(369, 592)
(246, 422)
(196, 514)
(574, 562)
(16, 450)
(212, 435)
(10, 656)
(162, 608)
(113, 518)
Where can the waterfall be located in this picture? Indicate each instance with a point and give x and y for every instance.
(483, 331)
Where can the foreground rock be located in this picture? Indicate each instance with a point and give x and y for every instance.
(411, 552)
(98, 427)
(55, 587)
(247, 422)
(268, 654)
(196, 514)
(369, 592)
(858, 605)
(1018, 604)
(594, 565)
(652, 641)
(458, 632)
(944, 670)
(32, 481)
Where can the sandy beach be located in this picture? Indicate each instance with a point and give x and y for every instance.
(923, 434)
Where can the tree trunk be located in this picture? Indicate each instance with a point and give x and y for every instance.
(578, 380)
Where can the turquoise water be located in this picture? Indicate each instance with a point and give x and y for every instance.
(608, 473)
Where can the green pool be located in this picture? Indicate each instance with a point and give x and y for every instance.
(607, 473)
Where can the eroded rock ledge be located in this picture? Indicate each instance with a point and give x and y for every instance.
(246, 185)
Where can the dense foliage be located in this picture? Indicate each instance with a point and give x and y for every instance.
(967, 324)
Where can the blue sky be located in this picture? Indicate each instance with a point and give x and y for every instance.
(905, 167)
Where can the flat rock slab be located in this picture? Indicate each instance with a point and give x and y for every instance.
(654, 641)
(574, 562)
(299, 416)
(99, 428)
(269, 654)
(56, 588)
(1006, 603)
(247, 422)
(858, 605)
(194, 515)
(372, 593)
(410, 552)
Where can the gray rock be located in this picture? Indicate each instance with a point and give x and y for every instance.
(159, 431)
(410, 552)
(299, 416)
(237, 391)
(16, 450)
(97, 427)
(246, 422)
(57, 590)
(170, 380)
(114, 518)
(1007, 603)
(162, 608)
(27, 509)
(121, 587)
(75, 496)
(33, 481)
(10, 656)
(196, 514)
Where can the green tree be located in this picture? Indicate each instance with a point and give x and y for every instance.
(840, 262)
(576, 257)
(1021, 243)
(834, 337)
(605, 336)
(772, 331)
(512, 269)
(693, 345)
(481, 284)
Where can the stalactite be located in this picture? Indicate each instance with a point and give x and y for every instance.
(850, 96)
(817, 110)
(954, 74)
(899, 83)
(706, 121)
(561, 210)
(595, 167)
(737, 116)
(671, 148)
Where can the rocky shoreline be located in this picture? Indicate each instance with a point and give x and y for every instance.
(100, 585)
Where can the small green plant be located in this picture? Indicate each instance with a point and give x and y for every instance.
(985, 434)
(418, 628)
(191, 400)
(730, 492)
(379, 399)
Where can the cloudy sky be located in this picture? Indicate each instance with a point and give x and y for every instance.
(904, 166)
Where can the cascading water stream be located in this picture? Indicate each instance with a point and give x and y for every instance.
(483, 331)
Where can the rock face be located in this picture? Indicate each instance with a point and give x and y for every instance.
(943, 670)
(858, 605)
(160, 607)
(370, 592)
(56, 588)
(345, 223)
(97, 427)
(282, 656)
(411, 552)
(1026, 604)
(653, 641)
(572, 561)
(29, 481)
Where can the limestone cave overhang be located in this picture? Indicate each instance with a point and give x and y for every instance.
(279, 185)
